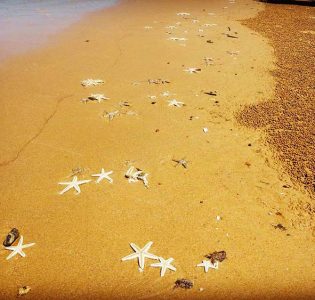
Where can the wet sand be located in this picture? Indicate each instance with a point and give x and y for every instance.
(80, 239)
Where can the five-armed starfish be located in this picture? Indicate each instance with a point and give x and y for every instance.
(140, 254)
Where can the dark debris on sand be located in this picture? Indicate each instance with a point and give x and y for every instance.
(183, 283)
(216, 256)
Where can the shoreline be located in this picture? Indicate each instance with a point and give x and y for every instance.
(32, 30)
(80, 239)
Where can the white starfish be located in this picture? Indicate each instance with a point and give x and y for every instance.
(166, 94)
(183, 14)
(19, 248)
(207, 264)
(103, 175)
(164, 264)
(171, 27)
(140, 254)
(89, 82)
(73, 184)
(133, 174)
(177, 39)
(192, 70)
(111, 115)
(175, 103)
(95, 97)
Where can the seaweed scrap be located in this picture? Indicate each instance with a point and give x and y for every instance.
(183, 283)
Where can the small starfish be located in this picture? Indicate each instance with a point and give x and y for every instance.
(103, 175)
(192, 70)
(166, 94)
(209, 25)
(140, 254)
(183, 162)
(183, 14)
(19, 248)
(124, 103)
(95, 97)
(171, 27)
(134, 174)
(73, 184)
(111, 115)
(164, 264)
(175, 103)
(89, 82)
(148, 27)
(208, 265)
(177, 39)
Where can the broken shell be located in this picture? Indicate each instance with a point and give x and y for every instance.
(12, 236)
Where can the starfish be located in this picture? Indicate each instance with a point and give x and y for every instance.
(134, 176)
(19, 248)
(164, 264)
(208, 265)
(183, 14)
(111, 115)
(166, 94)
(171, 27)
(103, 175)
(140, 254)
(192, 70)
(148, 27)
(175, 103)
(89, 82)
(177, 39)
(73, 184)
(95, 97)
(183, 162)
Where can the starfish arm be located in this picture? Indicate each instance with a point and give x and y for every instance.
(152, 256)
(12, 248)
(84, 181)
(156, 265)
(28, 245)
(13, 253)
(109, 179)
(135, 247)
(163, 270)
(65, 183)
(66, 189)
(171, 268)
(99, 179)
(147, 246)
(96, 175)
(21, 253)
(141, 260)
(130, 256)
(200, 265)
(77, 188)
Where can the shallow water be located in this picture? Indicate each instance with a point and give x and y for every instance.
(26, 24)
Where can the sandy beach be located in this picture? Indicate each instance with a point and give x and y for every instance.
(232, 196)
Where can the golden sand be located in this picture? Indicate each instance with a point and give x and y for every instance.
(80, 239)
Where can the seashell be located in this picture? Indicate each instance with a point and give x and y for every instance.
(12, 236)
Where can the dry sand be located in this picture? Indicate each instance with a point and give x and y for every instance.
(80, 239)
